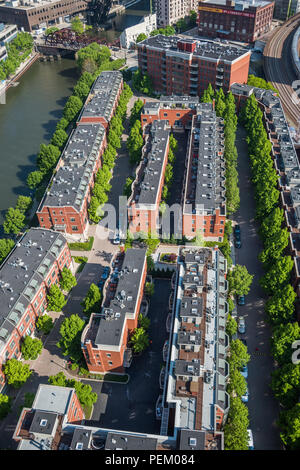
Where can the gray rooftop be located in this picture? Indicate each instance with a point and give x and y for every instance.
(71, 182)
(187, 368)
(191, 440)
(22, 274)
(155, 161)
(81, 439)
(191, 307)
(241, 5)
(205, 49)
(124, 302)
(118, 441)
(53, 399)
(43, 423)
(103, 95)
(189, 337)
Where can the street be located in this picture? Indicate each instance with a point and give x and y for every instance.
(263, 408)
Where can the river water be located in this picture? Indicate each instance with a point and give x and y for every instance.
(32, 110)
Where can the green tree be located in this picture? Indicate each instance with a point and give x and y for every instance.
(149, 289)
(81, 89)
(139, 340)
(72, 108)
(34, 179)
(274, 247)
(286, 384)
(280, 307)
(127, 187)
(16, 372)
(231, 326)
(278, 275)
(14, 221)
(239, 356)
(272, 224)
(47, 157)
(59, 138)
(51, 30)
(70, 336)
(136, 111)
(23, 203)
(31, 348)
(5, 405)
(235, 429)
(239, 280)
(282, 339)
(67, 280)
(193, 17)
(141, 37)
(289, 422)
(144, 322)
(92, 301)
(77, 26)
(6, 245)
(56, 299)
(44, 323)
(237, 385)
(60, 380)
(83, 391)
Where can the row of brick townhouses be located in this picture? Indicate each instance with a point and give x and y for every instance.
(186, 66)
(34, 15)
(203, 204)
(55, 422)
(286, 163)
(31, 268)
(105, 339)
(143, 205)
(195, 396)
(64, 206)
(235, 19)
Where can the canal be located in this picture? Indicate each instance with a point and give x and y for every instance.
(32, 110)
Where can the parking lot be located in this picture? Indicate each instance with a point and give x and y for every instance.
(131, 407)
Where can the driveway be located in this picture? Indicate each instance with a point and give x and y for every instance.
(263, 408)
(131, 407)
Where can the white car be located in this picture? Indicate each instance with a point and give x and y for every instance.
(250, 440)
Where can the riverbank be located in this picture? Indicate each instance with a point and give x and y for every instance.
(19, 72)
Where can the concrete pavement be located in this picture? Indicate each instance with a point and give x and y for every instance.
(263, 408)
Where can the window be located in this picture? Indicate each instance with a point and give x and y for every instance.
(12, 345)
(75, 228)
(108, 355)
(27, 319)
(72, 219)
(110, 363)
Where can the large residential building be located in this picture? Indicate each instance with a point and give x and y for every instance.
(170, 11)
(203, 194)
(235, 20)
(64, 206)
(186, 66)
(286, 163)
(105, 338)
(284, 9)
(40, 427)
(35, 14)
(143, 205)
(31, 268)
(195, 397)
(204, 201)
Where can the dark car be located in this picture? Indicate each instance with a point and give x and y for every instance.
(238, 241)
(101, 284)
(241, 300)
(237, 230)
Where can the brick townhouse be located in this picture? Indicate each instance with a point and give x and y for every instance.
(41, 426)
(105, 338)
(197, 371)
(64, 206)
(143, 205)
(286, 163)
(186, 66)
(31, 268)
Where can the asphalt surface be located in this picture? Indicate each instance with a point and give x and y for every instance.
(263, 408)
(131, 407)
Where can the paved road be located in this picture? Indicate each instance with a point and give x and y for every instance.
(263, 408)
(131, 407)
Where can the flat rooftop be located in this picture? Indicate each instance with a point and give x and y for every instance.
(205, 49)
(52, 398)
(239, 5)
(125, 300)
(119, 441)
(22, 273)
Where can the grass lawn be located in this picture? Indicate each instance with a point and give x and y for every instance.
(82, 260)
(82, 246)
(87, 409)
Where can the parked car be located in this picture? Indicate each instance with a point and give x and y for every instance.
(237, 230)
(250, 440)
(105, 273)
(241, 325)
(101, 284)
(241, 300)
(238, 241)
(245, 398)
(116, 239)
(244, 371)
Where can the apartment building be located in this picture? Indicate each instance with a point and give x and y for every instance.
(105, 338)
(204, 201)
(195, 397)
(235, 20)
(64, 206)
(7, 33)
(31, 268)
(186, 66)
(143, 205)
(35, 14)
(170, 11)
(177, 111)
(284, 9)
(103, 99)
(286, 163)
(40, 427)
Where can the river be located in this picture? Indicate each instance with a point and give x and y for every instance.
(32, 110)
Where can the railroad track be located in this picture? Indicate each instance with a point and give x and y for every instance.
(279, 69)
